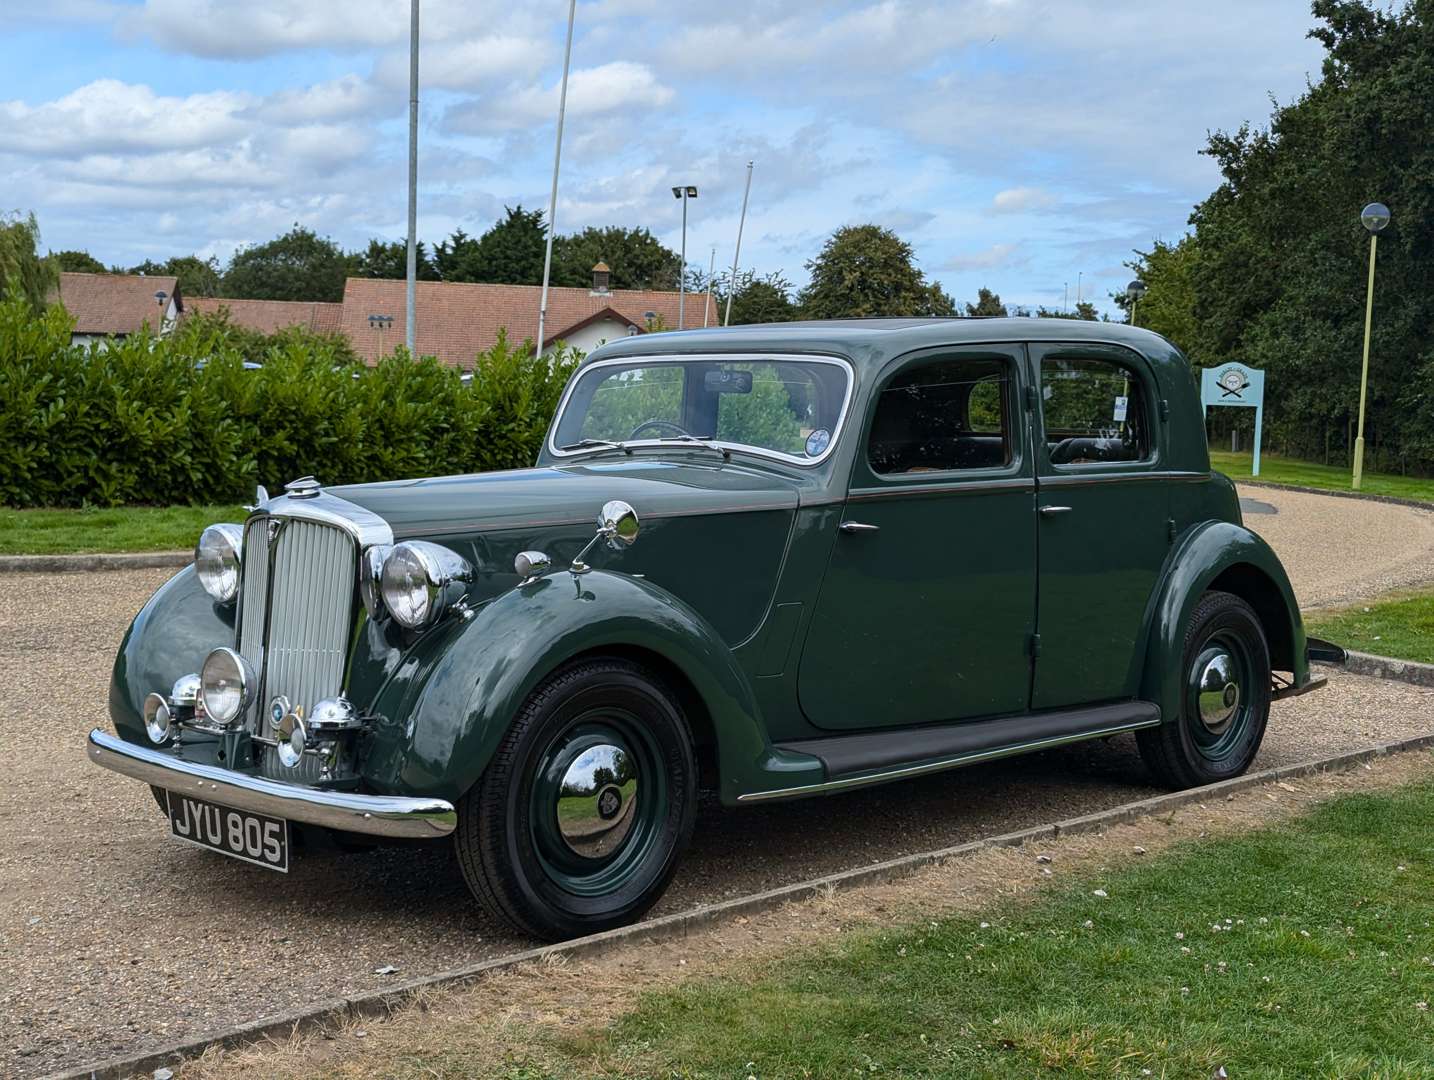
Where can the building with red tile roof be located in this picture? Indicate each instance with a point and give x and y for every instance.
(271, 316)
(458, 320)
(115, 305)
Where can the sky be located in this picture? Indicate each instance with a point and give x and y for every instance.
(1023, 145)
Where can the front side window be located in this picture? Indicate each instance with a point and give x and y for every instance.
(787, 407)
(1094, 411)
(944, 415)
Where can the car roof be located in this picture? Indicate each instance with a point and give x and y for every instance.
(869, 343)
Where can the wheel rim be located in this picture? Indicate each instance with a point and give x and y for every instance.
(597, 804)
(1219, 695)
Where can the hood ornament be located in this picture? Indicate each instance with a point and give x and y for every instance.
(306, 487)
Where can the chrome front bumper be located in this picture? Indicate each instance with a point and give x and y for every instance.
(373, 815)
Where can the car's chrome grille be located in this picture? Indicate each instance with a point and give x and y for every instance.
(301, 586)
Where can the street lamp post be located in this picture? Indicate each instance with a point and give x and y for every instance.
(683, 192)
(1134, 291)
(1375, 218)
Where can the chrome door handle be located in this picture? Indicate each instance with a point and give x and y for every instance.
(1051, 511)
(858, 527)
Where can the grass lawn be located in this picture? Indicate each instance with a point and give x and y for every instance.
(1279, 470)
(1402, 627)
(1303, 950)
(131, 528)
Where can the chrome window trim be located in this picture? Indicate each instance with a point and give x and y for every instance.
(1167, 476)
(955, 487)
(738, 358)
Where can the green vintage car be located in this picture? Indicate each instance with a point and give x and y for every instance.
(774, 561)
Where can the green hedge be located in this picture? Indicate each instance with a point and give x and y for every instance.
(179, 420)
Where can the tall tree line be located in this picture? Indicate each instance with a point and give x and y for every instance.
(1274, 271)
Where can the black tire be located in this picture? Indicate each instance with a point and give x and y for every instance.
(535, 854)
(1193, 748)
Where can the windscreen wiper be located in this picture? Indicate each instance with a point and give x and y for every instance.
(596, 444)
(698, 440)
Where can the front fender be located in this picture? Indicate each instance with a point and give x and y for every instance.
(443, 723)
(170, 637)
(1219, 555)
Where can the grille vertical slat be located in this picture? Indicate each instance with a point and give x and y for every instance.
(310, 597)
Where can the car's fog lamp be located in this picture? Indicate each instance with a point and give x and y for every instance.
(157, 723)
(225, 684)
(293, 738)
(185, 692)
(216, 561)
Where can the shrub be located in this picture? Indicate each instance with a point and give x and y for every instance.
(146, 420)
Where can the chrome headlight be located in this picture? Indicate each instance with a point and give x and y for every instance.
(216, 561)
(421, 581)
(226, 683)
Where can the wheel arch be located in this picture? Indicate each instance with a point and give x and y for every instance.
(442, 729)
(1219, 555)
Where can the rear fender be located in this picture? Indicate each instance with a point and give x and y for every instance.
(1222, 556)
(440, 728)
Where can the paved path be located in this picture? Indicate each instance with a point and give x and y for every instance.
(1337, 550)
(114, 937)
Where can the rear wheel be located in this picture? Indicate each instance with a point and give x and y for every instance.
(577, 824)
(1225, 698)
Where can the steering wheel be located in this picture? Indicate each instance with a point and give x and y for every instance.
(666, 424)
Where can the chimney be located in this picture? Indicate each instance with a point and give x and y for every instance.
(601, 274)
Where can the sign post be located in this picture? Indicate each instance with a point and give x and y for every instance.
(1236, 384)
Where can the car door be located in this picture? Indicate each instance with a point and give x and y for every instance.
(927, 607)
(1102, 531)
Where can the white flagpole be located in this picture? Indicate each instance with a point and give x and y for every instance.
(410, 333)
(737, 251)
(553, 197)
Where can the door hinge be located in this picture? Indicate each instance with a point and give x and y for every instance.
(1035, 644)
(1030, 399)
(1170, 529)
(1164, 409)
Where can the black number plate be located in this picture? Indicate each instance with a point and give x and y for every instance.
(251, 837)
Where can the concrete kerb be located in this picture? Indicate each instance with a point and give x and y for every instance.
(1387, 667)
(680, 925)
(63, 564)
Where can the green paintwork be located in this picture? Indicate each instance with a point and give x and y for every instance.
(771, 624)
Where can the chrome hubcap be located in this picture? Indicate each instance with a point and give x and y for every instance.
(597, 801)
(1217, 690)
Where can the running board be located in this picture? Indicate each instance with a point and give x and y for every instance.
(875, 757)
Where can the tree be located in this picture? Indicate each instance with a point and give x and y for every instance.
(987, 304)
(299, 265)
(865, 270)
(1084, 311)
(78, 262)
(765, 299)
(22, 268)
(635, 258)
(196, 276)
(509, 253)
(1279, 274)
(389, 259)
(1168, 306)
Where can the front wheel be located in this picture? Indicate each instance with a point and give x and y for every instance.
(577, 823)
(1225, 698)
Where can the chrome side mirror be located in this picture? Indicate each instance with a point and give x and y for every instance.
(617, 524)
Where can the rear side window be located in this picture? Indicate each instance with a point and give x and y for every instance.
(941, 416)
(1094, 411)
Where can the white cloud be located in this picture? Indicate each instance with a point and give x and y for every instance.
(468, 64)
(1017, 199)
(111, 116)
(338, 99)
(991, 258)
(619, 85)
(223, 28)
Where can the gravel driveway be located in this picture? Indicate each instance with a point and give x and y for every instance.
(114, 937)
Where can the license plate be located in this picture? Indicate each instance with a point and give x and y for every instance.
(251, 837)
